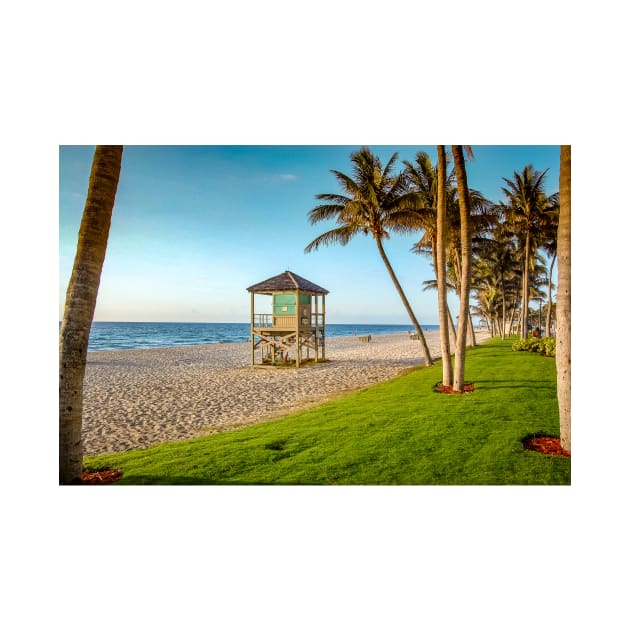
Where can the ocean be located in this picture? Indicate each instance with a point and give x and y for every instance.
(137, 335)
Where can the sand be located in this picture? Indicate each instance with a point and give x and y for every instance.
(138, 398)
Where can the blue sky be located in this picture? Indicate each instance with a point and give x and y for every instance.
(193, 226)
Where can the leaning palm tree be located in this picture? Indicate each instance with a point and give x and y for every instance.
(375, 202)
(563, 306)
(80, 305)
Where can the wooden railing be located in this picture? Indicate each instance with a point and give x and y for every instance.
(268, 320)
(263, 320)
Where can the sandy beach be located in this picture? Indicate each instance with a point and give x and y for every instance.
(138, 398)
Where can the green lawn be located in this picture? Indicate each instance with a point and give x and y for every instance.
(398, 432)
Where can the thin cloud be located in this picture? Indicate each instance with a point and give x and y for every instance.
(264, 179)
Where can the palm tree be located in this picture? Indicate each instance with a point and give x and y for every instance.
(550, 247)
(466, 266)
(563, 304)
(494, 267)
(375, 202)
(488, 302)
(423, 180)
(479, 221)
(527, 203)
(80, 304)
(440, 246)
(435, 193)
(537, 279)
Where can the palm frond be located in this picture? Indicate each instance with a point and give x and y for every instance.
(346, 182)
(325, 212)
(389, 166)
(340, 235)
(335, 198)
(403, 221)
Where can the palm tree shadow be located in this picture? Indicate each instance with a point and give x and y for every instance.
(157, 480)
(508, 384)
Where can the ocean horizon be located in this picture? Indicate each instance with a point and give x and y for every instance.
(144, 335)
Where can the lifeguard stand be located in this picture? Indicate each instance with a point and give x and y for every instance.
(296, 324)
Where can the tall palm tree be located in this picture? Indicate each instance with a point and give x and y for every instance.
(479, 222)
(527, 203)
(466, 266)
(536, 280)
(494, 267)
(423, 179)
(435, 190)
(80, 304)
(440, 270)
(563, 304)
(375, 202)
(550, 247)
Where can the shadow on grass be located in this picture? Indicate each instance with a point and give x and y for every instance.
(522, 384)
(150, 480)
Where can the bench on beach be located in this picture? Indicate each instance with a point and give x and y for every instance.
(414, 337)
(365, 338)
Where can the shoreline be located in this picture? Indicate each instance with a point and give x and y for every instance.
(246, 340)
(136, 398)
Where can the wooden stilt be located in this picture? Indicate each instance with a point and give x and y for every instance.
(316, 327)
(252, 330)
(323, 327)
(298, 345)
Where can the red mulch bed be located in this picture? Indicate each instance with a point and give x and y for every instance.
(100, 477)
(546, 445)
(441, 389)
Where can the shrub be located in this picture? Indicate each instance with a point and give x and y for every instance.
(542, 345)
(549, 346)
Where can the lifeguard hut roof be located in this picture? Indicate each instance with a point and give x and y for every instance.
(287, 281)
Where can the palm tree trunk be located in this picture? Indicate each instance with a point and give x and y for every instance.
(451, 323)
(425, 348)
(447, 369)
(473, 339)
(503, 308)
(549, 303)
(563, 304)
(466, 267)
(513, 313)
(455, 258)
(80, 304)
(452, 328)
(525, 296)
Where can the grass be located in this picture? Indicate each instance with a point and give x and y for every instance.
(397, 432)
